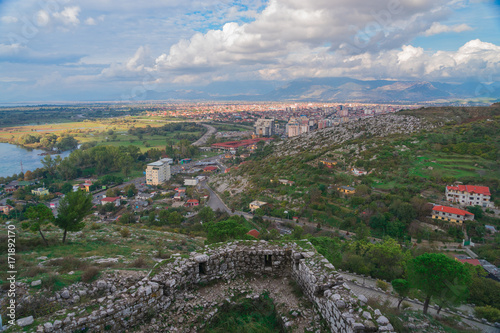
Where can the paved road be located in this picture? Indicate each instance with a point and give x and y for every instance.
(201, 141)
(374, 294)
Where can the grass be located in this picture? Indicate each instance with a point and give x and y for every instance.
(248, 316)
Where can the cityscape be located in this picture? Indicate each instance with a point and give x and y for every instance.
(250, 166)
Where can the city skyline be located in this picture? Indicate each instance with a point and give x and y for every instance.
(108, 50)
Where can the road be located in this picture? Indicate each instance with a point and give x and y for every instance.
(368, 292)
(201, 141)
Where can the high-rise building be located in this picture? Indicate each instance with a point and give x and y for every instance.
(293, 127)
(157, 172)
(264, 127)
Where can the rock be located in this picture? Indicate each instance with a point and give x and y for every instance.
(36, 283)
(25, 321)
(340, 304)
(382, 320)
(201, 258)
(101, 284)
(65, 294)
(367, 315)
(57, 324)
(48, 327)
(377, 312)
(363, 299)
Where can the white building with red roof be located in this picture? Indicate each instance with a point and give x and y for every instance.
(113, 200)
(469, 195)
(451, 214)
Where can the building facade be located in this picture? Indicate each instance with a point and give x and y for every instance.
(264, 127)
(469, 195)
(451, 214)
(157, 172)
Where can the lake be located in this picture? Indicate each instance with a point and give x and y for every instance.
(11, 157)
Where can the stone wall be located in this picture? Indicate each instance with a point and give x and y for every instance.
(319, 280)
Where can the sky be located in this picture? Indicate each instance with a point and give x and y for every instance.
(68, 50)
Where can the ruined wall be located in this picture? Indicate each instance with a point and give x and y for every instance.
(321, 283)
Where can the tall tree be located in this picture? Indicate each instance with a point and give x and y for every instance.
(435, 275)
(39, 216)
(72, 209)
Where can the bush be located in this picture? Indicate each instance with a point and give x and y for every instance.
(139, 263)
(95, 226)
(89, 274)
(488, 312)
(124, 232)
(34, 271)
(68, 264)
(382, 285)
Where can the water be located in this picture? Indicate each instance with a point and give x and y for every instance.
(11, 157)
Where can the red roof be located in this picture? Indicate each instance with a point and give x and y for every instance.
(110, 199)
(471, 189)
(210, 168)
(451, 210)
(473, 262)
(254, 233)
(193, 200)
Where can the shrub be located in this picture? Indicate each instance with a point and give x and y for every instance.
(125, 232)
(95, 226)
(34, 271)
(488, 312)
(382, 285)
(139, 263)
(68, 264)
(90, 273)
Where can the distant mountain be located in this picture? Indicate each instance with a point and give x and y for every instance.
(336, 89)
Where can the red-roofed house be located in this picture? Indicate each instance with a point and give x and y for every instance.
(115, 200)
(451, 214)
(254, 233)
(6, 209)
(469, 195)
(192, 203)
(210, 168)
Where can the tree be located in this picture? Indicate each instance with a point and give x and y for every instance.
(402, 287)
(435, 274)
(39, 216)
(72, 209)
(206, 214)
(225, 230)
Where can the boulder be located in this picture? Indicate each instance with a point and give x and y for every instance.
(25, 321)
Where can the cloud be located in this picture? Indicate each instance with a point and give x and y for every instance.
(8, 19)
(90, 21)
(69, 15)
(438, 28)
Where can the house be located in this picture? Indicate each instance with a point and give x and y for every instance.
(469, 195)
(180, 189)
(286, 182)
(451, 214)
(23, 183)
(254, 233)
(191, 181)
(201, 178)
(256, 205)
(144, 196)
(359, 171)
(40, 191)
(244, 155)
(192, 203)
(463, 259)
(179, 196)
(114, 200)
(10, 189)
(210, 168)
(158, 172)
(328, 163)
(6, 209)
(53, 205)
(346, 189)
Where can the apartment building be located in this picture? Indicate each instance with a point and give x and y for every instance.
(451, 214)
(157, 172)
(469, 195)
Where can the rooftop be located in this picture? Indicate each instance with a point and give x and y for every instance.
(451, 210)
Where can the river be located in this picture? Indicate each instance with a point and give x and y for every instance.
(11, 157)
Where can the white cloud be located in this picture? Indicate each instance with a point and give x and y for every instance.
(8, 19)
(90, 21)
(69, 15)
(438, 28)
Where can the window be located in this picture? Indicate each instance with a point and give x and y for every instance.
(202, 268)
(268, 260)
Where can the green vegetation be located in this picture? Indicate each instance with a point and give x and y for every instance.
(249, 316)
(72, 209)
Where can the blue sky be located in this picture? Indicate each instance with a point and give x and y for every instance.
(63, 50)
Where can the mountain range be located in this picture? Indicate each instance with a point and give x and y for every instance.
(336, 89)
